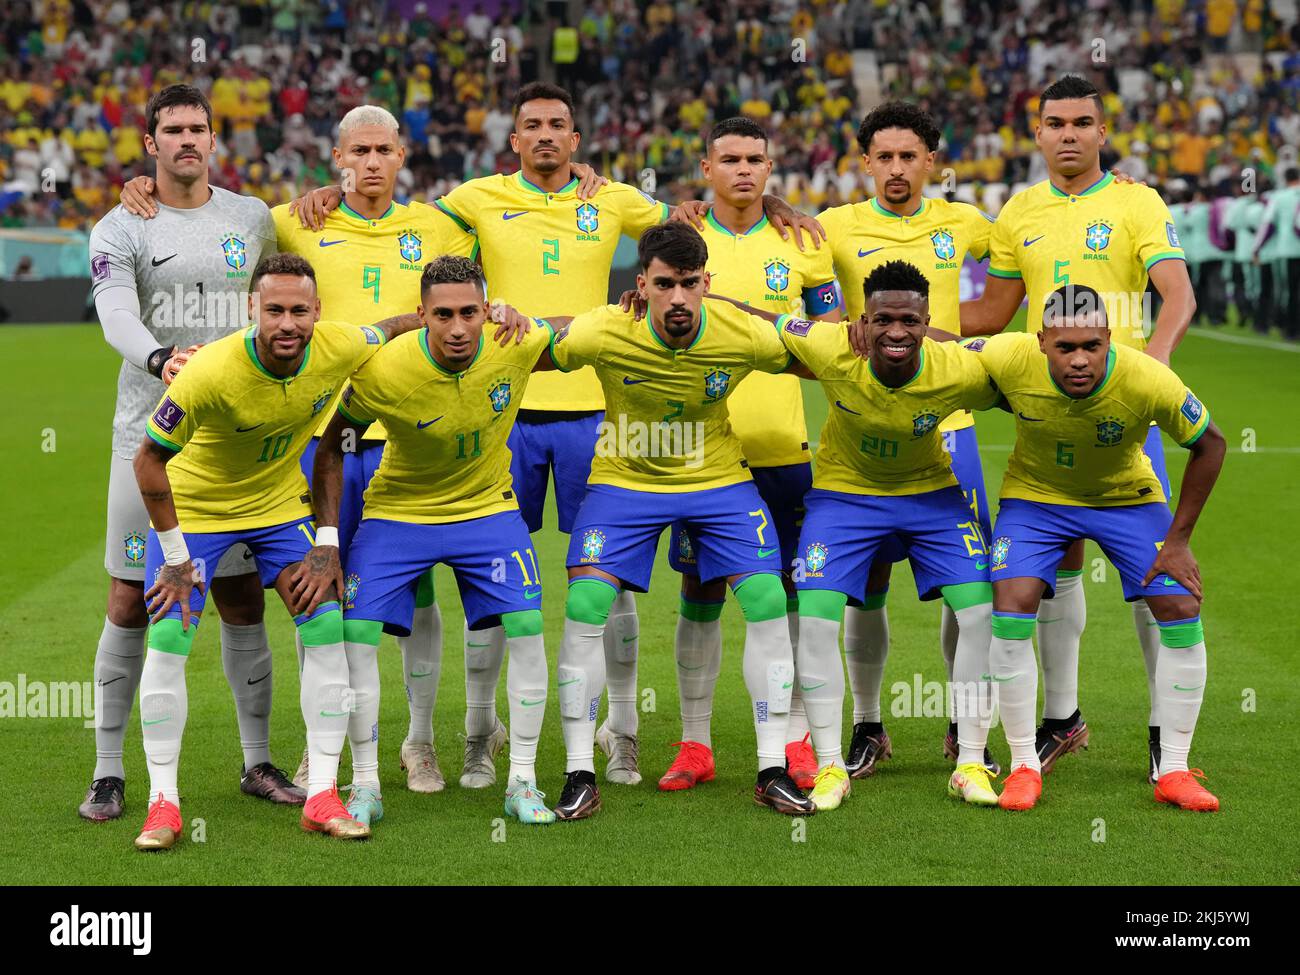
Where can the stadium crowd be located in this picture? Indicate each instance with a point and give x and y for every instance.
(1197, 90)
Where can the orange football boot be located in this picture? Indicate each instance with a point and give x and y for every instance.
(161, 827)
(801, 763)
(1021, 789)
(1182, 790)
(325, 813)
(693, 765)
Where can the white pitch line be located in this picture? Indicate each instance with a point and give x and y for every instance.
(1258, 343)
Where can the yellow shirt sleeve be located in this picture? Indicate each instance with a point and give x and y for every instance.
(181, 411)
(640, 211)
(1152, 227)
(815, 344)
(579, 343)
(1002, 247)
(1174, 407)
(979, 227)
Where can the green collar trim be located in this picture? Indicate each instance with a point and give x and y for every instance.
(251, 348)
(424, 344)
(1110, 368)
(875, 205)
(704, 320)
(712, 221)
(356, 216)
(1101, 184)
(920, 368)
(524, 184)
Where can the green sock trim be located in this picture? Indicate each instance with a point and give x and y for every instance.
(967, 594)
(362, 631)
(875, 600)
(1068, 573)
(1180, 636)
(761, 597)
(523, 622)
(824, 604)
(688, 609)
(424, 595)
(324, 629)
(1013, 627)
(791, 604)
(169, 637)
(589, 601)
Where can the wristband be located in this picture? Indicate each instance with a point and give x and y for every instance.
(157, 359)
(173, 545)
(327, 535)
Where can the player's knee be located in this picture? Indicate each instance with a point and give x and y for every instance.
(703, 592)
(169, 636)
(1181, 633)
(526, 622)
(240, 600)
(700, 610)
(825, 604)
(590, 600)
(126, 604)
(761, 597)
(362, 632)
(323, 628)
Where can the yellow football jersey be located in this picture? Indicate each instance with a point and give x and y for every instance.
(666, 427)
(369, 270)
(550, 254)
(878, 439)
(764, 271)
(935, 239)
(1106, 237)
(446, 458)
(1087, 451)
(240, 430)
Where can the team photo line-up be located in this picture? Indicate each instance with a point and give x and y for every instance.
(403, 381)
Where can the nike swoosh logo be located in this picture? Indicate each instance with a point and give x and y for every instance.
(529, 704)
(478, 644)
(253, 427)
(862, 253)
(425, 674)
(846, 409)
(1030, 419)
(332, 714)
(157, 262)
(331, 243)
(629, 381)
(259, 680)
(787, 685)
(811, 687)
(532, 595)
(105, 683)
(696, 667)
(566, 683)
(764, 553)
(1170, 582)
(421, 424)
(1027, 241)
(981, 566)
(1000, 680)
(1180, 687)
(511, 216)
(147, 722)
(629, 639)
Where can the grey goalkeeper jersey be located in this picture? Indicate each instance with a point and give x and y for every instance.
(189, 270)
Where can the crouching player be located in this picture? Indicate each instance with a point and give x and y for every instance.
(448, 398)
(1078, 470)
(219, 467)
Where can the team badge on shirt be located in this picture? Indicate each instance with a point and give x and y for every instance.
(944, 247)
(588, 216)
(1097, 236)
(923, 423)
(777, 275)
(321, 400)
(716, 383)
(1192, 408)
(134, 547)
(499, 395)
(593, 544)
(1110, 431)
(235, 252)
(410, 246)
(1001, 546)
(814, 559)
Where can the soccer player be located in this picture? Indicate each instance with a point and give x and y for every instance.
(1079, 470)
(667, 454)
(898, 142)
(180, 281)
(1277, 251)
(1080, 227)
(759, 268)
(443, 493)
(220, 466)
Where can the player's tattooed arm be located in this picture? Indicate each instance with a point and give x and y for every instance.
(137, 197)
(1175, 558)
(155, 487)
(395, 326)
(1178, 305)
(314, 206)
(340, 437)
(589, 181)
(317, 579)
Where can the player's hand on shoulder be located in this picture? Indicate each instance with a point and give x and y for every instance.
(318, 579)
(786, 219)
(1123, 177)
(173, 587)
(314, 206)
(589, 181)
(511, 323)
(633, 302)
(172, 367)
(1175, 560)
(692, 212)
(137, 197)
(857, 330)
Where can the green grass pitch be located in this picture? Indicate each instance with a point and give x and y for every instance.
(1097, 822)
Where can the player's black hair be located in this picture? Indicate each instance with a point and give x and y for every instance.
(282, 263)
(1290, 174)
(1070, 86)
(171, 97)
(676, 244)
(898, 115)
(1073, 301)
(736, 125)
(451, 269)
(896, 276)
(539, 90)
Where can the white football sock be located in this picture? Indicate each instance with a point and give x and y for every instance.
(580, 674)
(698, 649)
(325, 698)
(119, 659)
(797, 727)
(971, 696)
(949, 634)
(421, 668)
(768, 666)
(1148, 631)
(866, 648)
(1059, 628)
(1180, 679)
(1011, 662)
(363, 724)
(246, 659)
(164, 706)
(526, 690)
(620, 641)
(821, 682)
(484, 651)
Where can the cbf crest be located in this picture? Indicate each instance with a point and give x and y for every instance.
(814, 559)
(588, 217)
(235, 252)
(321, 401)
(133, 544)
(410, 246)
(923, 423)
(593, 544)
(350, 586)
(777, 274)
(1110, 431)
(1001, 547)
(685, 550)
(499, 395)
(944, 247)
(716, 382)
(1097, 236)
